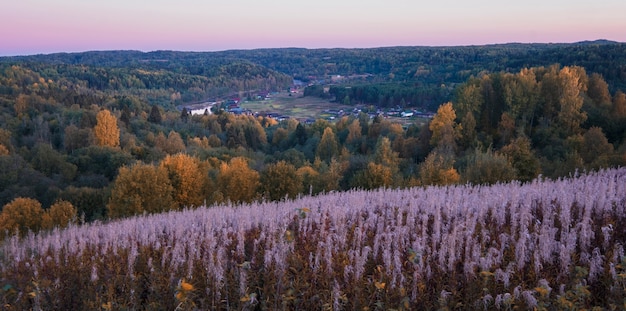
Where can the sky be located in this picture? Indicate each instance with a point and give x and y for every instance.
(43, 26)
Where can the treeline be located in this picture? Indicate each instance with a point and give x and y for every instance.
(382, 95)
(390, 95)
(114, 155)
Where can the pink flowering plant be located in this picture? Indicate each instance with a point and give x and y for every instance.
(547, 244)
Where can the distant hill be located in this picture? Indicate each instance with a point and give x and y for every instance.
(424, 67)
(597, 42)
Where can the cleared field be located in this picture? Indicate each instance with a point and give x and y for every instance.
(294, 106)
(299, 107)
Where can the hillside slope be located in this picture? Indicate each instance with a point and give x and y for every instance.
(547, 244)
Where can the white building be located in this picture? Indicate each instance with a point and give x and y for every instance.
(199, 110)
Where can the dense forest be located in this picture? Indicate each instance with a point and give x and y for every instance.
(97, 135)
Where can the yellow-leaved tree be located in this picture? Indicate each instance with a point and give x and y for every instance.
(238, 182)
(573, 86)
(188, 178)
(330, 174)
(438, 169)
(141, 188)
(171, 145)
(309, 177)
(5, 142)
(328, 147)
(354, 133)
(21, 214)
(444, 128)
(106, 131)
(374, 176)
(60, 214)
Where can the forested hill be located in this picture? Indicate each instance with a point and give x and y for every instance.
(421, 77)
(429, 64)
(163, 82)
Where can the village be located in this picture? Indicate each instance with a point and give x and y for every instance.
(291, 104)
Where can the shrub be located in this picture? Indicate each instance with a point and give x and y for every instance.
(21, 215)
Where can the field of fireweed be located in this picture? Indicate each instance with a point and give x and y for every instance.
(546, 244)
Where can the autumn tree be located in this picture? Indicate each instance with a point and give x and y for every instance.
(5, 142)
(570, 114)
(244, 131)
(354, 134)
(438, 169)
(214, 141)
(521, 96)
(279, 139)
(141, 188)
(506, 128)
(280, 180)
(237, 182)
(171, 145)
(341, 125)
(21, 105)
(329, 174)
(384, 154)
(60, 214)
(106, 131)
(255, 134)
(309, 177)
(188, 179)
(198, 142)
(445, 130)
(328, 147)
(21, 214)
(374, 176)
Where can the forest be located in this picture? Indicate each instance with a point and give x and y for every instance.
(97, 135)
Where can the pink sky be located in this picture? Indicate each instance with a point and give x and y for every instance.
(44, 26)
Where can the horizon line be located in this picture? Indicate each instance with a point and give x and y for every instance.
(599, 41)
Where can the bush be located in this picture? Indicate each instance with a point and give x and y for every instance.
(21, 215)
